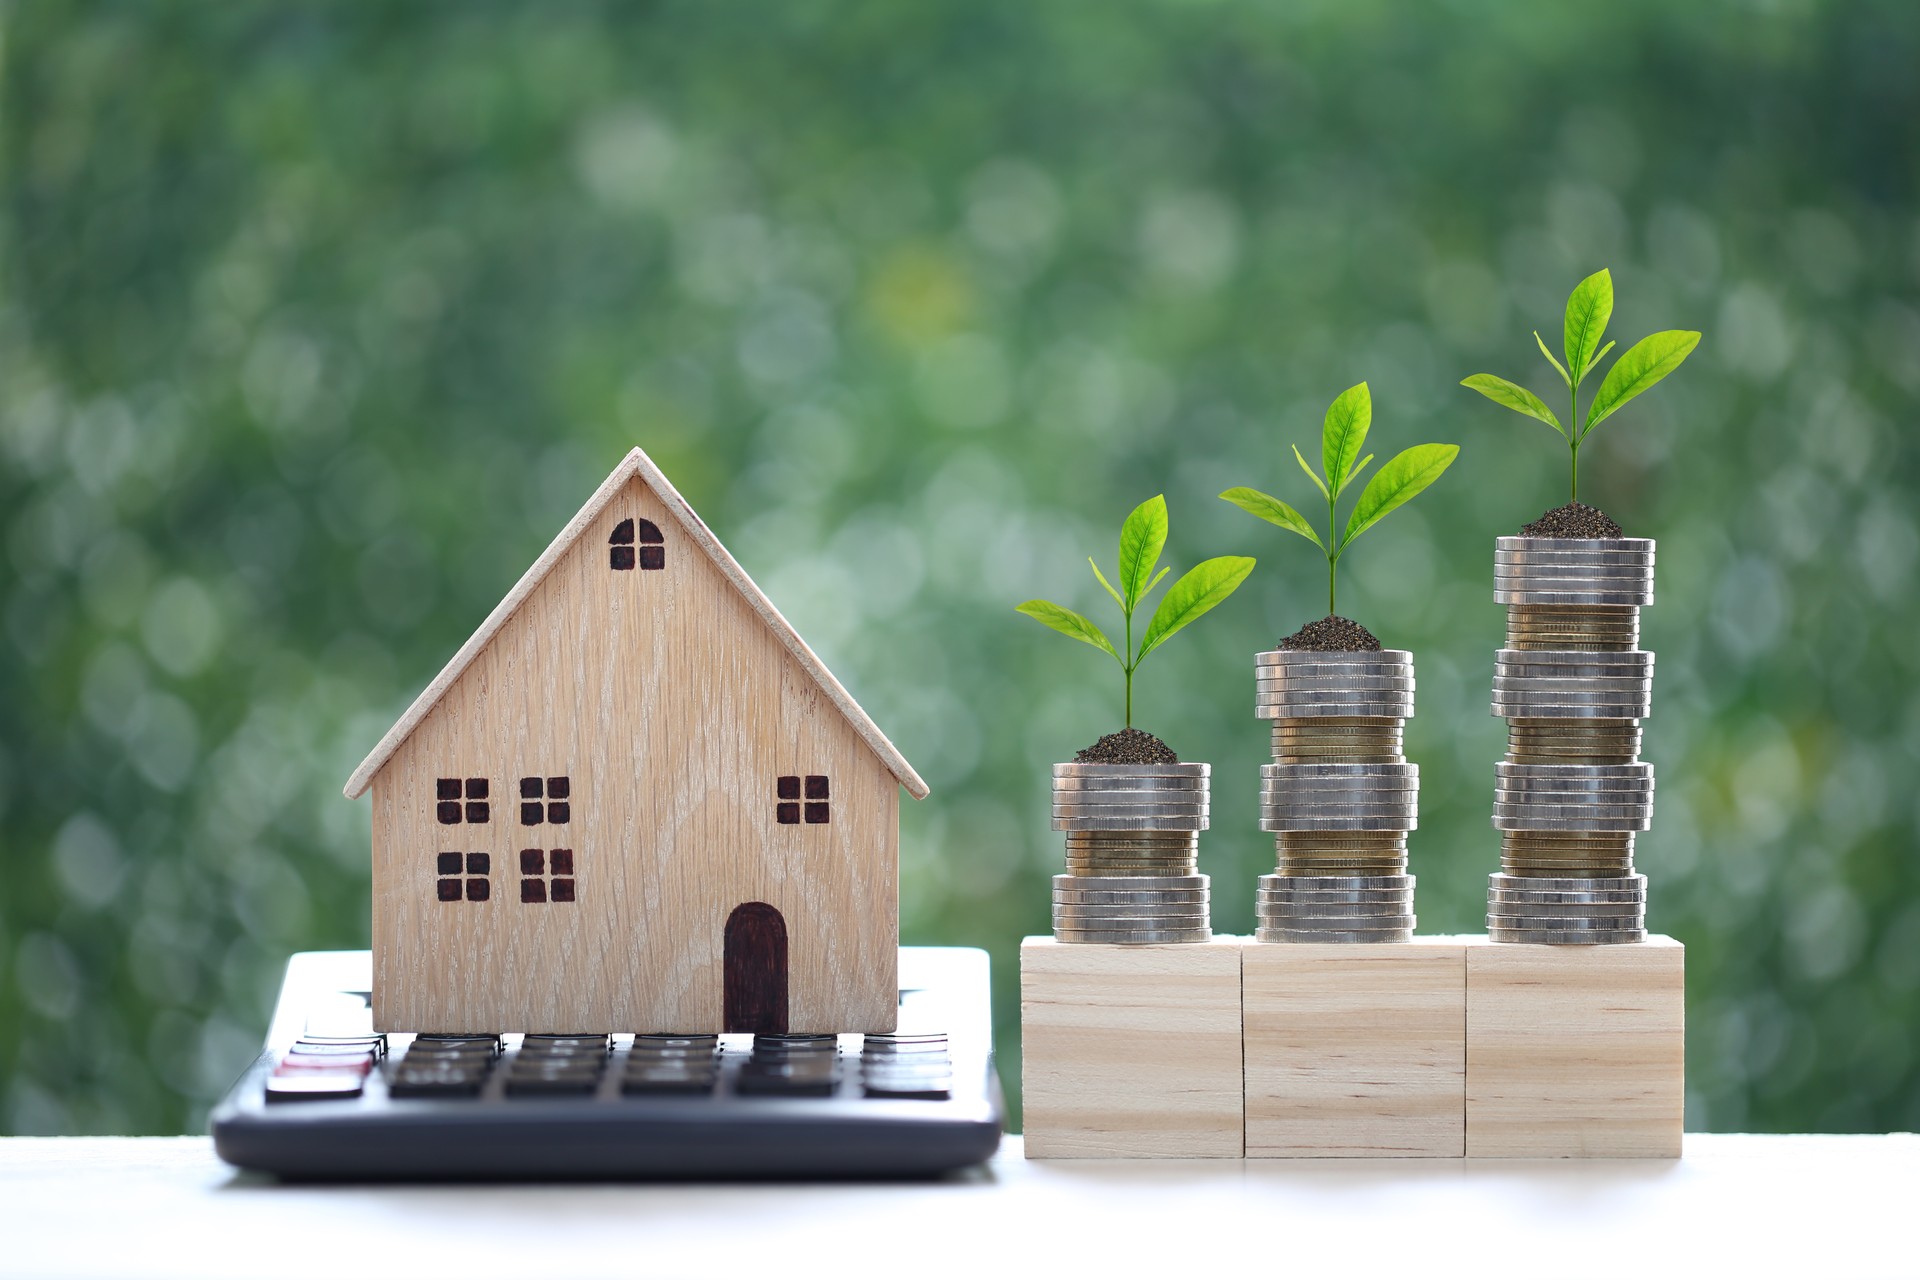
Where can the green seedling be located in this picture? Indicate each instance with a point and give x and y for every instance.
(1142, 538)
(1341, 439)
(1646, 362)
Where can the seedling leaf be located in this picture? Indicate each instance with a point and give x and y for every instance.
(1645, 363)
(1142, 538)
(1318, 483)
(1165, 569)
(1598, 356)
(1514, 397)
(1198, 590)
(1344, 433)
(1407, 474)
(1273, 511)
(1589, 307)
(1068, 623)
(1103, 582)
(1557, 366)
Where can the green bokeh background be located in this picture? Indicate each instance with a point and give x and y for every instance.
(317, 321)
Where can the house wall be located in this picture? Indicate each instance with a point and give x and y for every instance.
(672, 708)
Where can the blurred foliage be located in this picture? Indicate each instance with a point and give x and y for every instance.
(317, 321)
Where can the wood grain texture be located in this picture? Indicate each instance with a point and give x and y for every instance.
(635, 466)
(1131, 1051)
(673, 708)
(1355, 1049)
(1576, 1051)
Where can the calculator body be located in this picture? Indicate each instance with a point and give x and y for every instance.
(330, 1098)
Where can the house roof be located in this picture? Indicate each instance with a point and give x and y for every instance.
(637, 463)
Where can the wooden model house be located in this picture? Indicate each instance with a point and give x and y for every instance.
(635, 800)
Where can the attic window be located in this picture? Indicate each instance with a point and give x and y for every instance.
(447, 808)
(546, 800)
(789, 809)
(652, 548)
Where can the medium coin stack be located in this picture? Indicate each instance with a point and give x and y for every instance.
(1340, 797)
(1573, 686)
(1133, 847)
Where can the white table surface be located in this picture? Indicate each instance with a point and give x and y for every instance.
(1741, 1206)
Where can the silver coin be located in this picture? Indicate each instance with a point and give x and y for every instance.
(1543, 808)
(1309, 769)
(1131, 785)
(1319, 711)
(1623, 713)
(1339, 789)
(1370, 658)
(1093, 901)
(1193, 823)
(1518, 900)
(1130, 924)
(1357, 902)
(1280, 935)
(1596, 825)
(1514, 772)
(1543, 915)
(1134, 937)
(1601, 660)
(1129, 811)
(1599, 794)
(1338, 918)
(1557, 938)
(1509, 563)
(1406, 804)
(1078, 769)
(1610, 599)
(1575, 577)
(1635, 883)
(1529, 542)
(1115, 883)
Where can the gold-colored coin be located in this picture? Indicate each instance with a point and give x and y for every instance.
(1573, 626)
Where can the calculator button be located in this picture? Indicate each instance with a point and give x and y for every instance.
(668, 1077)
(293, 1063)
(906, 1066)
(792, 1067)
(313, 1087)
(334, 1049)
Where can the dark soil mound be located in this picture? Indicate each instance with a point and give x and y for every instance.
(1129, 746)
(1332, 634)
(1575, 520)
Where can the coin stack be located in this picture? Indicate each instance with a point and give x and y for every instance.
(1340, 797)
(1573, 685)
(1133, 848)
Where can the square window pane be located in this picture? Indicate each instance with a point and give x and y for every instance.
(449, 864)
(816, 786)
(559, 811)
(563, 891)
(622, 532)
(559, 788)
(788, 814)
(478, 864)
(620, 558)
(530, 862)
(653, 557)
(478, 811)
(449, 891)
(446, 789)
(816, 811)
(530, 814)
(530, 788)
(788, 787)
(479, 889)
(563, 862)
(476, 788)
(533, 891)
(449, 813)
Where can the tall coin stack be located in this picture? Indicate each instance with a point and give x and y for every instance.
(1340, 797)
(1133, 848)
(1573, 685)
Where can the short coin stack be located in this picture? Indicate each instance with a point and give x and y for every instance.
(1340, 797)
(1573, 686)
(1133, 846)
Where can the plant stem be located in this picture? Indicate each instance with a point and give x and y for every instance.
(1573, 440)
(1128, 666)
(1333, 542)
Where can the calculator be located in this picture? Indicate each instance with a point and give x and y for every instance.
(331, 1098)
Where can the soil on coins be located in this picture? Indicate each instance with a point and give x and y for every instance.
(1575, 520)
(1129, 746)
(1332, 634)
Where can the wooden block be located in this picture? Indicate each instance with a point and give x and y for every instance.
(1131, 1051)
(1575, 1051)
(1355, 1049)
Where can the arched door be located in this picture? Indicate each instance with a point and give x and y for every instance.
(756, 970)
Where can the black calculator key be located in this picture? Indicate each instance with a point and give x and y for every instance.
(668, 1078)
(437, 1080)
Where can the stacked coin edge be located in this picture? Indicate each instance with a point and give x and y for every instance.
(1132, 835)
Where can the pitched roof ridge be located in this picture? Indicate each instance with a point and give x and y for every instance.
(636, 463)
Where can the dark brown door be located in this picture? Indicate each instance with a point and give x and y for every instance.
(756, 964)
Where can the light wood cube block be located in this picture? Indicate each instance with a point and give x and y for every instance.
(1575, 1051)
(1355, 1049)
(1131, 1051)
